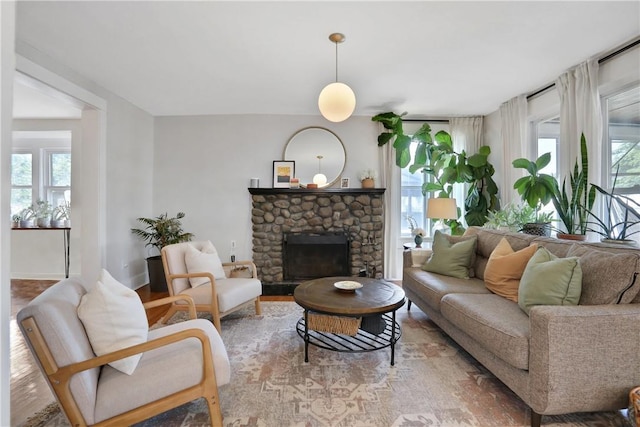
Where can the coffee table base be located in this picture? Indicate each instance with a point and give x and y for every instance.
(363, 341)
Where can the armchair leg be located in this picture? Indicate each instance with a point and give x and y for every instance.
(214, 411)
(536, 419)
(258, 307)
(216, 321)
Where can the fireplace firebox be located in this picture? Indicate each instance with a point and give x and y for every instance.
(308, 255)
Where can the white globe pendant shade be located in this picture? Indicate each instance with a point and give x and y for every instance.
(337, 102)
(320, 179)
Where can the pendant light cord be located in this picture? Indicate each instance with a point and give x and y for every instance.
(336, 62)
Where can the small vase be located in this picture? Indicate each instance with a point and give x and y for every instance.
(418, 240)
(368, 183)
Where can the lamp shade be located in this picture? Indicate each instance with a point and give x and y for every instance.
(320, 179)
(441, 208)
(337, 102)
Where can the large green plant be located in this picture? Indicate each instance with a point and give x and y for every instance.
(573, 207)
(162, 231)
(435, 156)
(537, 189)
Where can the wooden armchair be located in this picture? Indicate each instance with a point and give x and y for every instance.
(90, 392)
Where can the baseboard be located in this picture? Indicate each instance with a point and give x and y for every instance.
(37, 276)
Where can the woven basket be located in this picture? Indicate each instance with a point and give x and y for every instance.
(334, 324)
(634, 407)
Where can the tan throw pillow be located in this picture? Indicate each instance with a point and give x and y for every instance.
(549, 280)
(451, 259)
(505, 267)
(607, 278)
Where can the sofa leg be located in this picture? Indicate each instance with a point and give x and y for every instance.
(536, 419)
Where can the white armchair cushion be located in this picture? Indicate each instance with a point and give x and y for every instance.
(114, 318)
(204, 261)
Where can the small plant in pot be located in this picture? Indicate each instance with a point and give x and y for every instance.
(536, 190)
(512, 217)
(26, 218)
(60, 216)
(42, 211)
(622, 213)
(158, 233)
(368, 178)
(15, 220)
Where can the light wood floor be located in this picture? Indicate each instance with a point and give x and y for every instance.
(29, 391)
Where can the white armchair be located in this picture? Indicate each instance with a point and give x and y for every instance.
(180, 363)
(219, 296)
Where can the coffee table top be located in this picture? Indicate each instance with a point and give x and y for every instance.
(376, 296)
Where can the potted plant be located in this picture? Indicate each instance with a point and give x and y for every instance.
(158, 233)
(15, 220)
(42, 211)
(60, 216)
(536, 190)
(511, 218)
(573, 206)
(368, 178)
(26, 217)
(435, 156)
(621, 214)
(416, 231)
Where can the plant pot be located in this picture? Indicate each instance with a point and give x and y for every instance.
(157, 280)
(624, 242)
(26, 223)
(57, 223)
(537, 228)
(418, 241)
(368, 183)
(578, 237)
(43, 222)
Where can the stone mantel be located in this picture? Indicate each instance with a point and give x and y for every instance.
(358, 212)
(315, 191)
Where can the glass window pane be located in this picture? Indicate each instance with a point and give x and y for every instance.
(56, 197)
(20, 198)
(21, 169)
(60, 169)
(624, 137)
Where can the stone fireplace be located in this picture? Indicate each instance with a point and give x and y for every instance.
(323, 214)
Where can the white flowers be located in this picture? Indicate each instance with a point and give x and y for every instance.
(413, 226)
(368, 174)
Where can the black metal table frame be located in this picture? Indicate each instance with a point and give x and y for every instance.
(363, 341)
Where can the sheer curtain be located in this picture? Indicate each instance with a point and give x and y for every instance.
(467, 134)
(390, 179)
(580, 112)
(513, 118)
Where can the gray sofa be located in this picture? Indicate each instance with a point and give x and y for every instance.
(557, 359)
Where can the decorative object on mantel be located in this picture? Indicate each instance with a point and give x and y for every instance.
(283, 171)
(416, 231)
(336, 101)
(255, 183)
(312, 186)
(344, 183)
(368, 178)
(441, 208)
(294, 183)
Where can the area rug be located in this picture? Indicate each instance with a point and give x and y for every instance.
(433, 383)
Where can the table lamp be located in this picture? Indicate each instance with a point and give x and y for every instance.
(441, 209)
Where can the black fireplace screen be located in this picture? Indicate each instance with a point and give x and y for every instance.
(312, 255)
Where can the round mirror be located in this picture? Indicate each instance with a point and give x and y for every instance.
(316, 151)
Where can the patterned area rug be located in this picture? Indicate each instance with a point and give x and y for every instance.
(433, 383)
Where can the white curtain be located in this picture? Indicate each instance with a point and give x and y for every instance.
(467, 134)
(513, 119)
(580, 112)
(390, 180)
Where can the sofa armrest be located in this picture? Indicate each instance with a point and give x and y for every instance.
(583, 358)
(408, 259)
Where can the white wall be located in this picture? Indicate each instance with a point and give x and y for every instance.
(203, 165)
(615, 74)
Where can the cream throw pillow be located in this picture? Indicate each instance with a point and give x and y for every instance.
(114, 318)
(205, 261)
(505, 267)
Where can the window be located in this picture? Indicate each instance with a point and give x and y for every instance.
(413, 203)
(40, 169)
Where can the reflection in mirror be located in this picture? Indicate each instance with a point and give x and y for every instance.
(316, 151)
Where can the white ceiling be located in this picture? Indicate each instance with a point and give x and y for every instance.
(236, 57)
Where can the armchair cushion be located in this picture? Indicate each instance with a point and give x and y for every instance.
(231, 292)
(205, 260)
(114, 318)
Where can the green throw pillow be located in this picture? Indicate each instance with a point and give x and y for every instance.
(549, 280)
(451, 259)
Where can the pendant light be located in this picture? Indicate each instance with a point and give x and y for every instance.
(337, 101)
(319, 178)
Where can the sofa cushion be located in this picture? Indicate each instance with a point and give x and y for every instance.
(431, 287)
(505, 268)
(495, 322)
(203, 261)
(549, 280)
(488, 240)
(451, 259)
(607, 278)
(558, 247)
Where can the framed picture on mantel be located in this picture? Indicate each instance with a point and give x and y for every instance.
(283, 171)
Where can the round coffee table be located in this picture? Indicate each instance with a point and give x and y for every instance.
(375, 303)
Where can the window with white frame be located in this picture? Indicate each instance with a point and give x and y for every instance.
(40, 169)
(413, 203)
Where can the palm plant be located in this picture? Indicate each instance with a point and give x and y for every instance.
(573, 207)
(162, 231)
